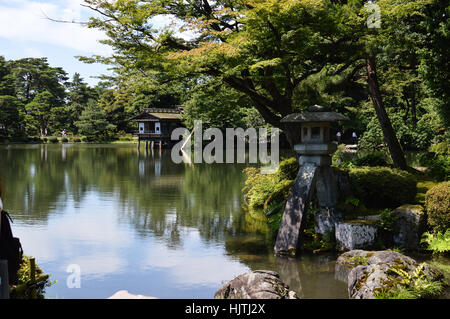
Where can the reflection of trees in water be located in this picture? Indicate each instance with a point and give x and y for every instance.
(155, 195)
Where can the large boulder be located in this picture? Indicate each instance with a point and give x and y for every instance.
(373, 272)
(409, 226)
(356, 234)
(258, 284)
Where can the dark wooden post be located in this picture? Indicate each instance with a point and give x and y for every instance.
(4, 281)
(33, 277)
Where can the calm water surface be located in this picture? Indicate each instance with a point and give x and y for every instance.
(141, 223)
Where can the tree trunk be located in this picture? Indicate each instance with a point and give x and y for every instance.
(388, 132)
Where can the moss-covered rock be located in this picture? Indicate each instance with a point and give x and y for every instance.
(389, 274)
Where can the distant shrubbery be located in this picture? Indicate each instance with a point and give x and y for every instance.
(53, 139)
(371, 159)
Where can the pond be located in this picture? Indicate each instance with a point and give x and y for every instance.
(139, 222)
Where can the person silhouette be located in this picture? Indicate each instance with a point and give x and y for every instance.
(354, 137)
(339, 135)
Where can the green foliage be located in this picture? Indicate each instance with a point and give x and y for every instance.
(438, 242)
(399, 250)
(258, 187)
(274, 214)
(442, 148)
(216, 105)
(439, 168)
(22, 290)
(93, 123)
(382, 187)
(53, 139)
(387, 220)
(410, 285)
(338, 158)
(288, 169)
(352, 200)
(279, 193)
(371, 159)
(437, 204)
(358, 260)
(264, 190)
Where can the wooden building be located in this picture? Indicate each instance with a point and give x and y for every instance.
(155, 125)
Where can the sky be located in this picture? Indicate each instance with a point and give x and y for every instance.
(26, 32)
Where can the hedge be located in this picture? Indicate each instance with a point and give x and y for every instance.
(437, 204)
(382, 187)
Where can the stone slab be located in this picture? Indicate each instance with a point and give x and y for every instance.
(355, 234)
(296, 205)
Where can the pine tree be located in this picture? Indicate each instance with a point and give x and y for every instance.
(93, 122)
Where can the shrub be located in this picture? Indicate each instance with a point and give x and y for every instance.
(437, 204)
(437, 243)
(371, 159)
(387, 220)
(279, 193)
(439, 168)
(53, 139)
(262, 190)
(288, 169)
(23, 289)
(77, 140)
(64, 140)
(258, 187)
(381, 187)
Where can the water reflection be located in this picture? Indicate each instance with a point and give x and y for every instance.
(137, 221)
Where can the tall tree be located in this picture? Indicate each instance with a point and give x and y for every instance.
(39, 111)
(35, 75)
(263, 49)
(93, 122)
(435, 61)
(10, 106)
(78, 96)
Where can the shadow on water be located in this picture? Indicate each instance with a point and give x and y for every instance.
(140, 222)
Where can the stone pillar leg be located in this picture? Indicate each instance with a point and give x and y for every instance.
(296, 206)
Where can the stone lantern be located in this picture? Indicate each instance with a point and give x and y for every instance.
(315, 177)
(314, 128)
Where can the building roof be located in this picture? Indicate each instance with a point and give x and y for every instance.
(155, 114)
(315, 113)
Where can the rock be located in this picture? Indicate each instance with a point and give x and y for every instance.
(326, 220)
(258, 284)
(294, 211)
(124, 294)
(409, 226)
(356, 234)
(371, 271)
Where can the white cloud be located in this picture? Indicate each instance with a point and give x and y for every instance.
(25, 20)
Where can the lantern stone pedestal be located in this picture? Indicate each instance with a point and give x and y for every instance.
(314, 179)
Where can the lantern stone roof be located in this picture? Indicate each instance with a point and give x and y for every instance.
(315, 113)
